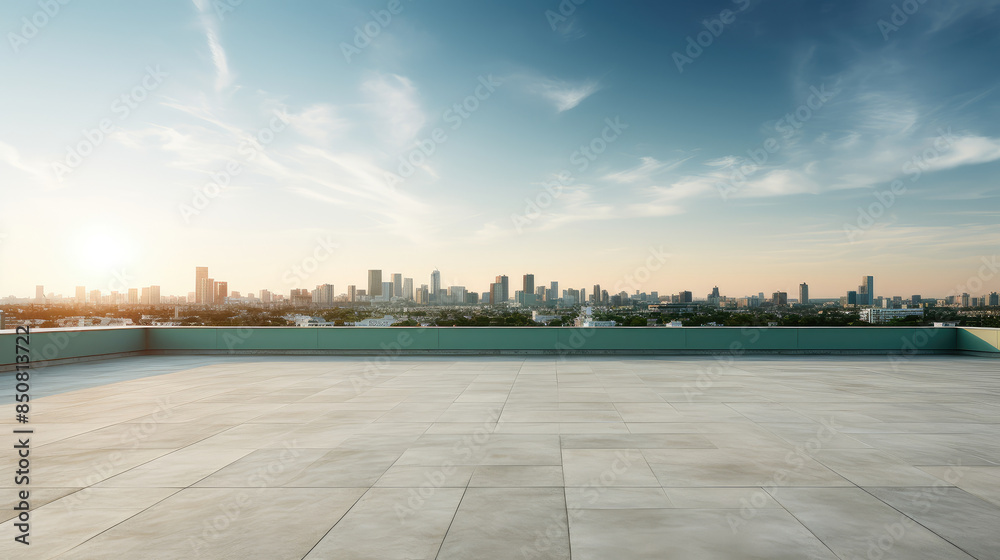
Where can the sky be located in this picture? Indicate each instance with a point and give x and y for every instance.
(643, 145)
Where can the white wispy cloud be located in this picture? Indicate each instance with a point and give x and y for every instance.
(563, 94)
(209, 23)
(395, 101)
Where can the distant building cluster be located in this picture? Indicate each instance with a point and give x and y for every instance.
(395, 289)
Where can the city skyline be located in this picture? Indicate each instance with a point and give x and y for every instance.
(975, 287)
(797, 142)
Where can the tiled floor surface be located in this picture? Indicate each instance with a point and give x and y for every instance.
(479, 458)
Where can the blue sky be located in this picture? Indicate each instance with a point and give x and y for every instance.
(836, 100)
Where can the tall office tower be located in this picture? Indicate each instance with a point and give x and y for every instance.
(397, 285)
(39, 294)
(81, 294)
(555, 289)
(583, 297)
(374, 283)
(540, 293)
(221, 292)
(265, 296)
(528, 284)
(113, 298)
(504, 288)
(456, 295)
(200, 284)
(95, 297)
(422, 294)
(387, 290)
(866, 291)
(352, 293)
(604, 296)
(144, 298)
(154, 295)
(435, 286)
(916, 300)
(852, 298)
(133, 296)
(715, 292)
(779, 298)
(323, 295)
(685, 297)
(994, 299)
(804, 293)
(965, 300)
(597, 293)
(408, 289)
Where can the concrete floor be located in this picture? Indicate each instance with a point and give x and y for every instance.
(480, 458)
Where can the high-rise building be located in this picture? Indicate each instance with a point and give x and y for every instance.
(265, 296)
(435, 286)
(597, 293)
(323, 295)
(144, 298)
(528, 284)
(916, 300)
(374, 283)
(201, 284)
(352, 293)
(133, 296)
(422, 295)
(965, 300)
(397, 285)
(804, 293)
(715, 292)
(95, 297)
(387, 290)
(852, 298)
(866, 291)
(154, 295)
(504, 289)
(779, 298)
(221, 293)
(81, 294)
(408, 289)
(685, 297)
(994, 299)
(39, 294)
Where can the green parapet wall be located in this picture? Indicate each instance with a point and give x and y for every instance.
(979, 341)
(57, 345)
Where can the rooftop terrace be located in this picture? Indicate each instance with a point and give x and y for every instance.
(736, 455)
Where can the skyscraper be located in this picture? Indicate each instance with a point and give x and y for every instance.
(804, 293)
(994, 299)
(352, 293)
(435, 286)
(201, 284)
(685, 297)
(528, 284)
(39, 294)
(323, 295)
(779, 298)
(504, 289)
(154, 295)
(133, 296)
(597, 293)
(374, 283)
(81, 294)
(408, 289)
(866, 291)
(397, 285)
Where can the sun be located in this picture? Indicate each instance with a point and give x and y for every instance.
(102, 250)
